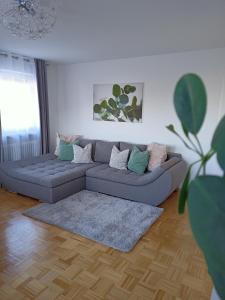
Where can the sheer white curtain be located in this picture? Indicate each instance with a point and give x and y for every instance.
(19, 108)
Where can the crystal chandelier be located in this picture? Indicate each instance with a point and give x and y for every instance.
(27, 18)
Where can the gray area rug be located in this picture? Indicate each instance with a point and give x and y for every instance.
(112, 221)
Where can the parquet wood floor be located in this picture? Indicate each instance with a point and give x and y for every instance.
(39, 261)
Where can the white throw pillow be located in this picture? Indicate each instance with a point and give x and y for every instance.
(158, 154)
(119, 159)
(82, 155)
(66, 138)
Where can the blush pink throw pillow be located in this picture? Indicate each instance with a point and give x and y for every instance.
(158, 154)
(65, 138)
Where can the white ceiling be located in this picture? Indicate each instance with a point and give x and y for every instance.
(90, 30)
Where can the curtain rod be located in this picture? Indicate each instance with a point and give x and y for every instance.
(15, 56)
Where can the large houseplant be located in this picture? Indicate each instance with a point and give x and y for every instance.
(203, 193)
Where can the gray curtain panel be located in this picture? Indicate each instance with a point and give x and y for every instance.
(1, 150)
(43, 103)
(1, 147)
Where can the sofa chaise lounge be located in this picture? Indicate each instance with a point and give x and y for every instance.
(49, 179)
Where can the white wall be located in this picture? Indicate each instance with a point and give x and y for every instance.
(71, 96)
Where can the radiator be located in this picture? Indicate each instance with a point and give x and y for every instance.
(21, 150)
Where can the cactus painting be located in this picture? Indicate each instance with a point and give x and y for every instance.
(118, 102)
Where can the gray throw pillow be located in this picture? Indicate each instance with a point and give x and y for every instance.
(82, 155)
(119, 159)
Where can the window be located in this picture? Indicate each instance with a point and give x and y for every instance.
(20, 122)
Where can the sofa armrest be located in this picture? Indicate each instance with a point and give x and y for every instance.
(173, 154)
(170, 163)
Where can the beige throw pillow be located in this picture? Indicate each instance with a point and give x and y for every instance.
(158, 154)
(66, 138)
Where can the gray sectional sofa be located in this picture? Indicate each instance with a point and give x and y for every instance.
(48, 179)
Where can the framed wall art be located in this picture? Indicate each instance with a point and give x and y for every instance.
(118, 102)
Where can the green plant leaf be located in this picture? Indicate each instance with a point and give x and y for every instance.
(106, 116)
(218, 143)
(139, 109)
(115, 112)
(128, 108)
(104, 104)
(116, 91)
(97, 108)
(134, 101)
(185, 131)
(171, 128)
(125, 113)
(184, 192)
(132, 89)
(129, 112)
(127, 89)
(130, 115)
(137, 114)
(218, 279)
(123, 99)
(190, 102)
(112, 103)
(206, 203)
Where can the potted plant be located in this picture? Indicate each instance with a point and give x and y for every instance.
(203, 193)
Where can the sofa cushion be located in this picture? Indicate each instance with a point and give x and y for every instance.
(45, 170)
(66, 138)
(119, 158)
(82, 155)
(104, 172)
(85, 142)
(124, 146)
(103, 151)
(138, 161)
(66, 150)
(158, 154)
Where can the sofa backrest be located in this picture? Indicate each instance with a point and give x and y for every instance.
(84, 142)
(103, 151)
(124, 146)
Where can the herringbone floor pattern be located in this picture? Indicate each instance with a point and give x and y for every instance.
(39, 261)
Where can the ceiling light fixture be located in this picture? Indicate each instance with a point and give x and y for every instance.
(27, 18)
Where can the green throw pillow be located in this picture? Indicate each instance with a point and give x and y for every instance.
(66, 150)
(138, 161)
